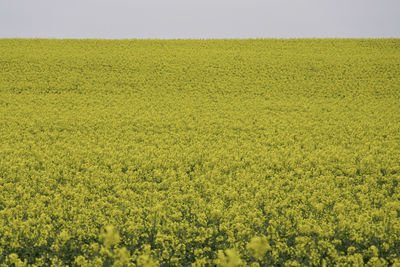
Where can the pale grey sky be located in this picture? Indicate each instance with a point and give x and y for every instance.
(199, 19)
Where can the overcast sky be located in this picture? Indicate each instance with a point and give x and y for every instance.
(199, 18)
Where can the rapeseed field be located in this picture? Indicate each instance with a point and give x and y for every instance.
(200, 152)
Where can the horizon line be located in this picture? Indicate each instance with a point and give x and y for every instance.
(200, 39)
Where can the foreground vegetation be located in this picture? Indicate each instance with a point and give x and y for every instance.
(217, 152)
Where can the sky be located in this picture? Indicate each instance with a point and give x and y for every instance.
(204, 19)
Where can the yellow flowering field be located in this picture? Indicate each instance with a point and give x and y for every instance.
(200, 152)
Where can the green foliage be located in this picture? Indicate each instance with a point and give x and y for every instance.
(200, 152)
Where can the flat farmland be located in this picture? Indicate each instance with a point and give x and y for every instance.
(200, 152)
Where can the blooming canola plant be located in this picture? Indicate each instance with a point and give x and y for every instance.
(200, 152)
